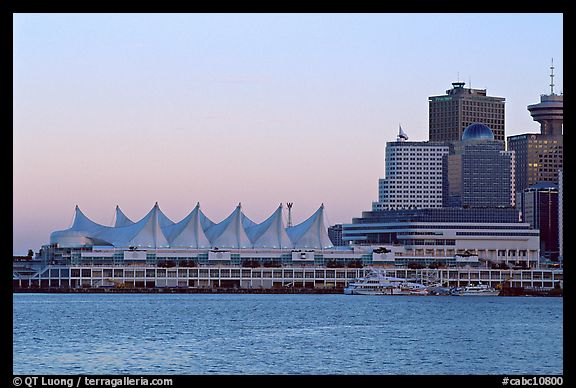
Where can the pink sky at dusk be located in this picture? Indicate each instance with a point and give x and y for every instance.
(260, 109)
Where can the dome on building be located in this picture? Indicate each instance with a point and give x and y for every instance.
(477, 131)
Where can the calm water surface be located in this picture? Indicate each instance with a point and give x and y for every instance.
(285, 334)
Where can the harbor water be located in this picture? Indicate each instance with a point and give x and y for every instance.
(251, 334)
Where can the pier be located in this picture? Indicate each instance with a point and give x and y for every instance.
(54, 278)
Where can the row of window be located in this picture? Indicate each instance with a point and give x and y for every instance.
(151, 273)
(406, 191)
(385, 229)
(420, 166)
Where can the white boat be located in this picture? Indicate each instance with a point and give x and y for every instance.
(378, 283)
(476, 290)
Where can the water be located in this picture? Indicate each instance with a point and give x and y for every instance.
(285, 334)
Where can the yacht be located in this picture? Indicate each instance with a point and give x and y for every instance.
(378, 283)
(479, 290)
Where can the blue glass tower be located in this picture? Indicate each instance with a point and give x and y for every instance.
(478, 171)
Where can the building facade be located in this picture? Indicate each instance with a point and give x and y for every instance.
(413, 175)
(335, 234)
(560, 215)
(494, 235)
(539, 206)
(478, 172)
(538, 158)
(451, 113)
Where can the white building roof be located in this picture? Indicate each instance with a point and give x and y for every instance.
(189, 233)
(121, 219)
(271, 233)
(156, 230)
(311, 233)
(230, 233)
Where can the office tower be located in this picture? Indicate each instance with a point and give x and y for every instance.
(560, 215)
(478, 172)
(449, 114)
(538, 205)
(413, 175)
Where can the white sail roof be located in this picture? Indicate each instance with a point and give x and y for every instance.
(150, 233)
(189, 232)
(230, 233)
(80, 233)
(121, 219)
(81, 222)
(145, 233)
(311, 233)
(271, 233)
(156, 230)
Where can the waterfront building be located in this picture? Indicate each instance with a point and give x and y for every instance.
(539, 205)
(451, 113)
(539, 156)
(285, 278)
(489, 234)
(560, 215)
(155, 252)
(413, 175)
(478, 172)
(196, 230)
(335, 234)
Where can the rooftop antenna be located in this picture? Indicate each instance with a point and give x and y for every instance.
(552, 77)
(289, 205)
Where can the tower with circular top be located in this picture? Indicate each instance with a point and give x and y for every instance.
(550, 111)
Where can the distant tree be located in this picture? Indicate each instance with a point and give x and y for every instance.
(333, 264)
(188, 263)
(251, 263)
(30, 253)
(501, 265)
(355, 264)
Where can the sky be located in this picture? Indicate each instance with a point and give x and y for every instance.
(257, 109)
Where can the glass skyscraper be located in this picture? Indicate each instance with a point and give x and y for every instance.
(478, 172)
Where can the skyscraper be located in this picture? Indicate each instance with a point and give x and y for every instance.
(449, 114)
(413, 175)
(478, 172)
(538, 205)
(539, 156)
(560, 215)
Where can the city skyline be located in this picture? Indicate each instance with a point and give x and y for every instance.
(262, 109)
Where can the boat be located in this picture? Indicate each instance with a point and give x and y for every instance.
(378, 283)
(439, 289)
(476, 290)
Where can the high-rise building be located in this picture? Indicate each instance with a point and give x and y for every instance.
(560, 215)
(539, 156)
(538, 205)
(413, 175)
(451, 113)
(335, 234)
(478, 172)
